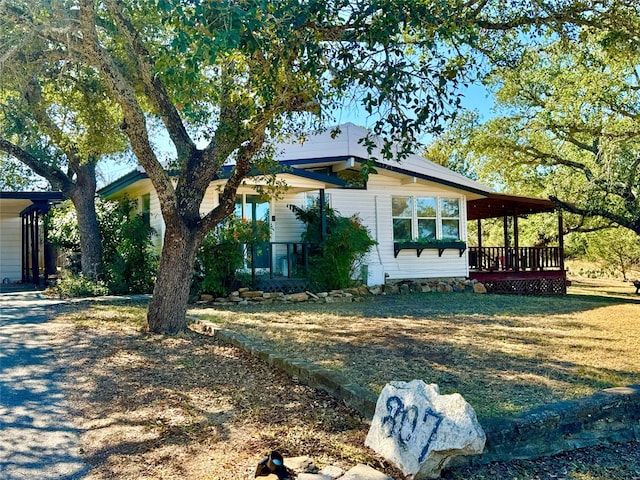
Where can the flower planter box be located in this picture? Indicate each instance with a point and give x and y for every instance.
(420, 246)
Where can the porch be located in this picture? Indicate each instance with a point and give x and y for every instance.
(511, 268)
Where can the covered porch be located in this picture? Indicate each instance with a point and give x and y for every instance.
(26, 256)
(513, 268)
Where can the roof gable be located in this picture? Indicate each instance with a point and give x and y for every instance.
(324, 148)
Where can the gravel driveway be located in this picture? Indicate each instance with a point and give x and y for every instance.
(37, 437)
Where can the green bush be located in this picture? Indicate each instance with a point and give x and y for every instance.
(221, 256)
(333, 264)
(129, 259)
(130, 264)
(75, 286)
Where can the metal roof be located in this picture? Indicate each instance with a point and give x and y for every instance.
(501, 205)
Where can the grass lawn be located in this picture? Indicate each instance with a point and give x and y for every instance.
(504, 354)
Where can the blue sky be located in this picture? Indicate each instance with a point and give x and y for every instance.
(476, 97)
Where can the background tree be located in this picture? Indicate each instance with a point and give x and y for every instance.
(617, 250)
(16, 176)
(228, 78)
(567, 127)
(56, 119)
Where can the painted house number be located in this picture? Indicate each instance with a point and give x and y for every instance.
(407, 426)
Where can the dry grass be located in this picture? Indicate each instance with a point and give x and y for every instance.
(157, 407)
(504, 354)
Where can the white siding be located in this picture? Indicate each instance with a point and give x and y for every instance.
(286, 227)
(10, 246)
(373, 206)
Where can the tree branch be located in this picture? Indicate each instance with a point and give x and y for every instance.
(134, 124)
(598, 212)
(153, 86)
(54, 175)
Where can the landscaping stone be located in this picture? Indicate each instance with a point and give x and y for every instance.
(420, 431)
(479, 288)
(332, 472)
(313, 476)
(302, 464)
(251, 294)
(296, 297)
(364, 472)
(376, 290)
(205, 297)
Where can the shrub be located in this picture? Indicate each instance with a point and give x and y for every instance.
(129, 259)
(74, 286)
(221, 256)
(337, 259)
(130, 264)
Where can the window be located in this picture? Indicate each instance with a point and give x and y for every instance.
(402, 213)
(450, 212)
(314, 197)
(425, 218)
(145, 208)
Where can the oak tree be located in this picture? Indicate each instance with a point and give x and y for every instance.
(227, 78)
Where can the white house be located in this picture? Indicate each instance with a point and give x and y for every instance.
(416, 210)
(411, 200)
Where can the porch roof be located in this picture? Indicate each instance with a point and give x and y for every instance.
(500, 205)
(296, 178)
(17, 202)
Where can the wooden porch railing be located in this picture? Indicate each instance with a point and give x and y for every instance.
(504, 259)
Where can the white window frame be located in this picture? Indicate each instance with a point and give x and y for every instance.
(439, 217)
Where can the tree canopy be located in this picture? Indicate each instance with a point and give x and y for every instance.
(226, 78)
(567, 126)
(56, 119)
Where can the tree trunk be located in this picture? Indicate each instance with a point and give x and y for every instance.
(168, 308)
(83, 198)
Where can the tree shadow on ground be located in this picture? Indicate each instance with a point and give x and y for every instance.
(150, 402)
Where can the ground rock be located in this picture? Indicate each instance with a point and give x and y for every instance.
(301, 464)
(420, 431)
(375, 290)
(332, 471)
(250, 294)
(296, 297)
(313, 476)
(479, 288)
(364, 472)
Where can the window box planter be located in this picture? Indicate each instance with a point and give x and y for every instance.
(420, 246)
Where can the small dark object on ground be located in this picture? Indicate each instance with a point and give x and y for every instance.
(636, 283)
(274, 463)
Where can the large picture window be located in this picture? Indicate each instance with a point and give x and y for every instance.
(425, 218)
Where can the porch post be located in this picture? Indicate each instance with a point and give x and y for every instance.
(479, 234)
(25, 249)
(561, 239)
(323, 216)
(505, 230)
(35, 267)
(516, 242)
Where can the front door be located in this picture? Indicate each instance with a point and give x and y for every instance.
(255, 209)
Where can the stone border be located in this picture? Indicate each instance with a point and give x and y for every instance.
(246, 296)
(609, 416)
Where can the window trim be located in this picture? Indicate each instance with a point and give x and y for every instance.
(438, 218)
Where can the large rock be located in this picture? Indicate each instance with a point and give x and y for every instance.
(420, 431)
(479, 288)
